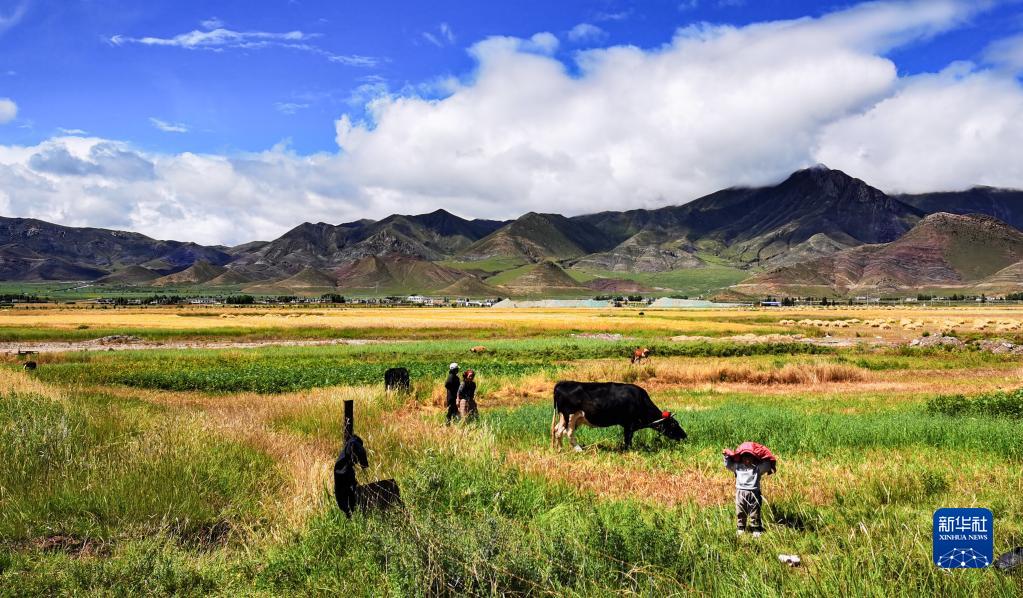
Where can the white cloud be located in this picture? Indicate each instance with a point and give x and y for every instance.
(1006, 53)
(217, 39)
(621, 15)
(212, 23)
(718, 106)
(585, 33)
(8, 110)
(78, 132)
(168, 127)
(626, 127)
(945, 131)
(221, 39)
(12, 18)
(290, 107)
(444, 36)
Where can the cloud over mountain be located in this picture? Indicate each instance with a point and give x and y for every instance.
(611, 128)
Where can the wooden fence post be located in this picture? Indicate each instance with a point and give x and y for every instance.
(349, 420)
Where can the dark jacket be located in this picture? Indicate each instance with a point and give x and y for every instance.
(467, 390)
(451, 385)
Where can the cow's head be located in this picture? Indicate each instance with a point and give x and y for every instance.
(669, 426)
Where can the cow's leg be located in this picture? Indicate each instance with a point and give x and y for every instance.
(628, 436)
(573, 422)
(560, 429)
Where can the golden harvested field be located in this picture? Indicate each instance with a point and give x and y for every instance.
(888, 323)
(188, 470)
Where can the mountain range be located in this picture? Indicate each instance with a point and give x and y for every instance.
(818, 230)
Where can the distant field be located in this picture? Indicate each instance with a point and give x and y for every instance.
(198, 471)
(493, 265)
(691, 282)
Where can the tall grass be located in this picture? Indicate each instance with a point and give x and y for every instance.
(477, 528)
(786, 430)
(93, 468)
(1003, 404)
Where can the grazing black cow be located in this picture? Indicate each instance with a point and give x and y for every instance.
(397, 379)
(30, 365)
(349, 494)
(605, 404)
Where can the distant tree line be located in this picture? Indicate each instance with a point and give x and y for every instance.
(620, 298)
(21, 298)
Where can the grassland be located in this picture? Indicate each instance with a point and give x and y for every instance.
(198, 471)
(690, 282)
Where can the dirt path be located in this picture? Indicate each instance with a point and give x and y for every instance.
(137, 344)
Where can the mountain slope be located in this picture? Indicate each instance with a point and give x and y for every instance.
(1003, 204)
(432, 236)
(753, 226)
(95, 252)
(198, 273)
(21, 263)
(308, 281)
(544, 277)
(536, 237)
(646, 251)
(229, 278)
(396, 274)
(130, 276)
(943, 250)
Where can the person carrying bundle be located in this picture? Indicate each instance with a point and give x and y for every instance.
(749, 461)
(467, 409)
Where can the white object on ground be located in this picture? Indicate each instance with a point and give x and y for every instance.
(792, 560)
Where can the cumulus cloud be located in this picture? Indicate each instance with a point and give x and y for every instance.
(106, 159)
(949, 130)
(220, 39)
(585, 33)
(168, 127)
(8, 110)
(718, 106)
(622, 127)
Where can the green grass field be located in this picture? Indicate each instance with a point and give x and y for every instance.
(690, 282)
(207, 472)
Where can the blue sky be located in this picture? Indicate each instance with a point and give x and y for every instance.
(64, 73)
(225, 122)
